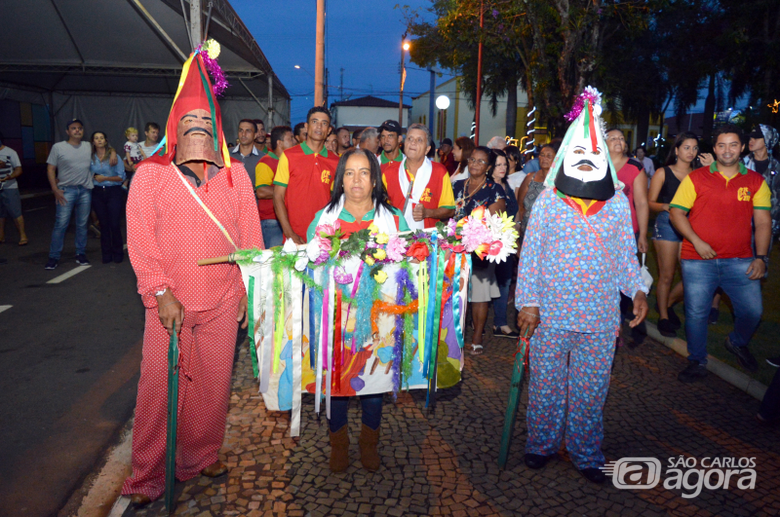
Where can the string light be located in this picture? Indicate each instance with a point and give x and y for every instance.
(775, 107)
(530, 131)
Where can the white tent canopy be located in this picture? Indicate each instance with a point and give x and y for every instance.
(116, 63)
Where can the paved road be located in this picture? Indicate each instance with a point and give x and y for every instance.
(69, 361)
(446, 463)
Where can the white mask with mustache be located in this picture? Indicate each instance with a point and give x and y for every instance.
(581, 163)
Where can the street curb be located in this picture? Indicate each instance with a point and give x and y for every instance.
(36, 194)
(104, 498)
(726, 372)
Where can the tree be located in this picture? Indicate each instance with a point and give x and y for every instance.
(453, 41)
(550, 46)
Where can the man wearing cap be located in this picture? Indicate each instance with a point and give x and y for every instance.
(304, 177)
(578, 254)
(280, 140)
(390, 139)
(71, 181)
(418, 187)
(246, 151)
(445, 156)
(190, 203)
(721, 211)
(762, 141)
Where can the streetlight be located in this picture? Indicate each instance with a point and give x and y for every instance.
(442, 102)
(404, 47)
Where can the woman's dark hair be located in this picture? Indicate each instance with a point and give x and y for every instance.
(467, 147)
(671, 158)
(108, 146)
(488, 152)
(494, 154)
(513, 153)
(554, 145)
(432, 153)
(379, 195)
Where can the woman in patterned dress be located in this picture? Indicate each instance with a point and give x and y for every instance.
(477, 190)
(533, 184)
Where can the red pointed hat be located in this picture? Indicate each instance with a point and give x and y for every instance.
(194, 92)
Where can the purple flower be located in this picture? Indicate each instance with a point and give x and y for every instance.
(495, 13)
(341, 276)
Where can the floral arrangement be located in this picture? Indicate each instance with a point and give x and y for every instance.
(489, 236)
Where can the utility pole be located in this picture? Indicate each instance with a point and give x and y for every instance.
(319, 56)
(341, 85)
(479, 73)
(404, 47)
(196, 24)
(325, 89)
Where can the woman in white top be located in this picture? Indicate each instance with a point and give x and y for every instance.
(461, 151)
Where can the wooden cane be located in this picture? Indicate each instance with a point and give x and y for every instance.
(218, 260)
(514, 400)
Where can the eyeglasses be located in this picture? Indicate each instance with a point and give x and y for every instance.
(481, 162)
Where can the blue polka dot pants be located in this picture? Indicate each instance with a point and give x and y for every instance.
(568, 387)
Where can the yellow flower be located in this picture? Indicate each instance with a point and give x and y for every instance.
(373, 229)
(380, 254)
(380, 277)
(369, 260)
(382, 238)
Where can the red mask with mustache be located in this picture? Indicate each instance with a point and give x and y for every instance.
(195, 139)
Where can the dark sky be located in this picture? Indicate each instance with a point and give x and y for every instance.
(363, 37)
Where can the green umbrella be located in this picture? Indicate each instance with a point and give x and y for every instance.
(173, 404)
(514, 399)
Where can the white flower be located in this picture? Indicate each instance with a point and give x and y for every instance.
(313, 251)
(302, 262)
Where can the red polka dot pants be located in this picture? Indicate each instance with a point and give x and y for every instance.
(207, 344)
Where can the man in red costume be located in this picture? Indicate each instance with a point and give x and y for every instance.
(193, 202)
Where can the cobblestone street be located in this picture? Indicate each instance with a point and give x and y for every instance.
(444, 462)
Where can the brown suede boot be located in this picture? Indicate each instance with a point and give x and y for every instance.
(369, 456)
(339, 450)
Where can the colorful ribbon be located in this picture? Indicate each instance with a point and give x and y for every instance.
(251, 324)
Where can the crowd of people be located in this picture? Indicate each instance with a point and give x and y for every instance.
(577, 235)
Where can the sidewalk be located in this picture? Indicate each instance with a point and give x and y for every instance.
(445, 462)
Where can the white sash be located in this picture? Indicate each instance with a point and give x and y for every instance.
(421, 180)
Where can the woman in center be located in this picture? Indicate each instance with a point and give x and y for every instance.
(480, 190)
(358, 199)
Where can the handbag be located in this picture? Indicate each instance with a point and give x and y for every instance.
(647, 278)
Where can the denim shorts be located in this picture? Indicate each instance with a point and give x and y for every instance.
(664, 231)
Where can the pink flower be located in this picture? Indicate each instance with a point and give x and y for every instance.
(475, 233)
(396, 248)
(495, 248)
(328, 230)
